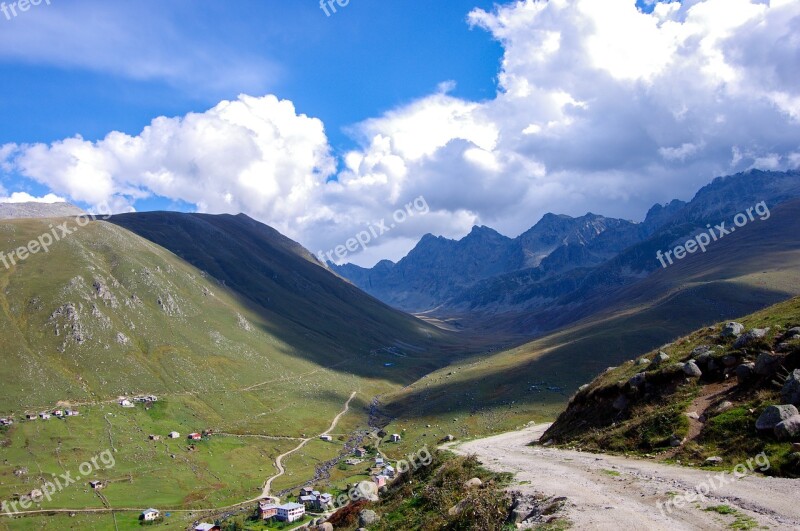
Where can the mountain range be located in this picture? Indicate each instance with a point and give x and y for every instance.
(560, 263)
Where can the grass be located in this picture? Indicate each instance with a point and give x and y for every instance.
(741, 522)
(612, 473)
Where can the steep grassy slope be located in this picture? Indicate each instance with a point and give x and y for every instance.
(272, 349)
(616, 413)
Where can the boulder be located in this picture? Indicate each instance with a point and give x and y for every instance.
(767, 364)
(699, 351)
(692, 370)
(659, 360)
(473, 483)
(750, 337)
(327, 526)
(703, 359)
(792, 333)
(643, 361)
(638, 380)
(790, 393)
(367, 517)
(730, 361)
(675, 441)
(693, 415)
(788, 429)
(745, 371)
(714, 460)
(732, 329)
(774, 415)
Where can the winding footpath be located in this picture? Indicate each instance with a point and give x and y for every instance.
(279, 459)
(607, 492)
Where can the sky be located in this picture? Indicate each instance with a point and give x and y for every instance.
(325, 124)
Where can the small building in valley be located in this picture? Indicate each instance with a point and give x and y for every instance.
(150, 515)
(396, 437)
(291, 512)
(267, 510)
(326, 438)
(195, 437)
(174, 435)
(207, 527)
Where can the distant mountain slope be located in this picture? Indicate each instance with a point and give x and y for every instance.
(38, 210)
(439, 270)
(563, 261)
(756, 267)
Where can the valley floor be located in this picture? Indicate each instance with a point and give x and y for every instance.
(613, 492)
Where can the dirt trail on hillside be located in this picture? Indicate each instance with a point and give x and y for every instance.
(601, 499)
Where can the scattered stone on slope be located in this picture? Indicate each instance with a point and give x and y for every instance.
(367, 517)
(637, 380)
(767, 364)
(732, 329)
(243, 323)
(168, 304)
(750, 337)
(774, 415)
(745, 372)
(660, 359)
(122, 339)
(104, 294)
(675, 441)
(788, 429)
(692, 370)
(790, 393)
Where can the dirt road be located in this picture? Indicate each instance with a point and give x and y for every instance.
(279, 460)
(611, 493)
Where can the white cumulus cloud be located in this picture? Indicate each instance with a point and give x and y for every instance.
(600, 107)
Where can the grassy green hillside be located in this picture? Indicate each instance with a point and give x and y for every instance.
(613, 414)
(252, 349)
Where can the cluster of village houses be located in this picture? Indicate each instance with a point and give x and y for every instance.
(44, 415)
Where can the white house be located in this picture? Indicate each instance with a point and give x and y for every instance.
(44, 416)
(326, 438)
(291, 512)
(396, 437)
(174, 435)
(126, 403)
(150, 515)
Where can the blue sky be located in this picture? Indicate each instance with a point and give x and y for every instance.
(495, 113)
(367, 58)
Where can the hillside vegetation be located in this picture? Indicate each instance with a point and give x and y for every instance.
(262, 356)
(702, 400)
